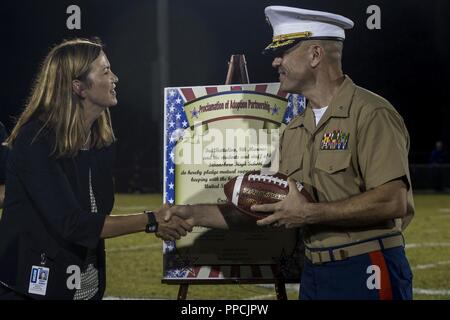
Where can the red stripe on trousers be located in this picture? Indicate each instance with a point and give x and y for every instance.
(385, 291)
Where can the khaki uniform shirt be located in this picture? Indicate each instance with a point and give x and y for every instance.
(360, 143)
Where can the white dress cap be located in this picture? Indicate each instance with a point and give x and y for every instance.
(291, 25)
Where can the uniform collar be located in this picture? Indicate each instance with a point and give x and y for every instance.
(338, 108)
(340, 104)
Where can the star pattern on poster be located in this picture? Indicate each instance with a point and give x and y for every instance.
(176, 124)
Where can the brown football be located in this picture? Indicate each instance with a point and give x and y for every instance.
(255, 188)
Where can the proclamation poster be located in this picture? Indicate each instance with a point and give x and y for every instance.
(213, 134)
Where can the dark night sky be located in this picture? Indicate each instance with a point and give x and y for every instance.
(406, 61)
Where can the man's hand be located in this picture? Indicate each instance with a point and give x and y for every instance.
(289, 212)
(172, 228)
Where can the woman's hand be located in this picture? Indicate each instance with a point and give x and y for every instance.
(172, 223)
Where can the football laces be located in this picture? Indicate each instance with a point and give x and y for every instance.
(268, 179)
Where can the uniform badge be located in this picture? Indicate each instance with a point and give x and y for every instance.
(336, 140)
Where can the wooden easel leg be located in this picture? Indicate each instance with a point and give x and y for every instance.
(182, 292)
(280, 290)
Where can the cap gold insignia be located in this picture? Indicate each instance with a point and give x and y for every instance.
(278, 44)
(290, 36)
(287, 39)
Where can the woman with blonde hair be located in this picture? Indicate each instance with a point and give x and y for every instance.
(59, 188)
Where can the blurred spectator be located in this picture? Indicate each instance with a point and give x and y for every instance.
(136, 183)
(2, 164)
(437, 155)
(437, 172)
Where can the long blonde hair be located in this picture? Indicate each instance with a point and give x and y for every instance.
(52, 99)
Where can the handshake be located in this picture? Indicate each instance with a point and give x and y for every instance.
(174, 222)
(275, 201)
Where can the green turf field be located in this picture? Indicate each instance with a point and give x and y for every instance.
(135, 261)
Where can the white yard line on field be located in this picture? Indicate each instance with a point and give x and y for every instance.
(288, 286)
(262, 297)
(432, 292)
(427, 245)
(430, 265)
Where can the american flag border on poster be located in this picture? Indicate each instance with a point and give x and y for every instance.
(175, 122)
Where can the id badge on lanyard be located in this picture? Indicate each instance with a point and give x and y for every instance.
(39, 278)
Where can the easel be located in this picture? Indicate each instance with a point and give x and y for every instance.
(237, 70)
(237, 74)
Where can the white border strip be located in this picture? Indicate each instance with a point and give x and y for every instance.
(236, 189)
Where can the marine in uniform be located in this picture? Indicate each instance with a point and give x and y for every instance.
(350, 149)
